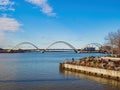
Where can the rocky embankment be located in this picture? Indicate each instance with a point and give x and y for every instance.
(97, 62)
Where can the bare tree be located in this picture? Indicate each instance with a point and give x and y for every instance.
(113, 40)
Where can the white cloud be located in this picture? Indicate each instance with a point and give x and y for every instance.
(1, 36)
(45, 7)
(8, 24)
(6, 5)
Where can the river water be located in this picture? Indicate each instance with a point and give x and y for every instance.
(40, 71)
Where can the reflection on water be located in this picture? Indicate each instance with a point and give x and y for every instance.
(40, 71)
(110, 82)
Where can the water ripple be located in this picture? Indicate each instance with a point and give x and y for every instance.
(37, 80)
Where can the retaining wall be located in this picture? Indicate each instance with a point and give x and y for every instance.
(90, 70)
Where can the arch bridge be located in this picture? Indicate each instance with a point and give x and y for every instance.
(96, 44)
(24, 43)
(57, 42)
(72, 47)
(99, 46)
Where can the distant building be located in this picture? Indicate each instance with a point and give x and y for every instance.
(89, 49)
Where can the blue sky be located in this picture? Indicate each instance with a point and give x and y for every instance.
(43, 22)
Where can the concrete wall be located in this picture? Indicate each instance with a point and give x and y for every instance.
(103, 72)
